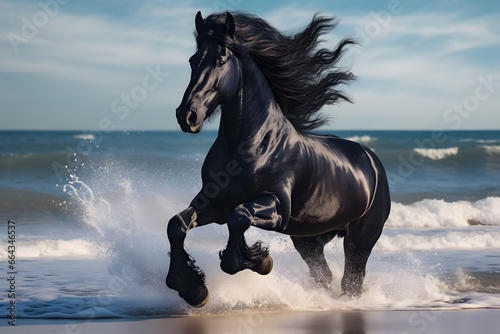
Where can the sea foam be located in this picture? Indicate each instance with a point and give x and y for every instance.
(458, 240)
(49, 249)
(139, 256)
(361, 139)
(437, 153)
(492, 149)
(438, 213)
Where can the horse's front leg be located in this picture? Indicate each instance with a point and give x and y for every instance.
(265, 213)
(183, 275)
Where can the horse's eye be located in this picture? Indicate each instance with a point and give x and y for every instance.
(220, 63)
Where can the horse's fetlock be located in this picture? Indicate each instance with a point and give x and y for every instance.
(175, 229)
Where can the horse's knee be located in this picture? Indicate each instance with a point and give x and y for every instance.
(265, 213)
(179, 224)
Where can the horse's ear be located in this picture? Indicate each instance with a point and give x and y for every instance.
(200, 23)
(230, 24)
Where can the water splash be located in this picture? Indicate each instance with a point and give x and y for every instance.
(139, 262)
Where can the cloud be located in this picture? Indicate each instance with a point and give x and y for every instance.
(78, 63)
(455, 32)
(72, 43)
(425, 60)
(290, 19)
(424, 50)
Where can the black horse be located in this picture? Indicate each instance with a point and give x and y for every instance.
(265, 169)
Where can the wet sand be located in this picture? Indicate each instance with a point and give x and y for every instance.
(472, 321)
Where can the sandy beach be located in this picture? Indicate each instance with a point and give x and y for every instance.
(404, 322)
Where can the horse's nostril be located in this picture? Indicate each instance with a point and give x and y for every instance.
(192, 117)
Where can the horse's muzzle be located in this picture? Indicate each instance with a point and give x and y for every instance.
(191, 118)
(189, 122)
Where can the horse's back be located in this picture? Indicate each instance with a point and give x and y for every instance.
(349, 150)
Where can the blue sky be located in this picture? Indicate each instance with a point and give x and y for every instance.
(80, 65)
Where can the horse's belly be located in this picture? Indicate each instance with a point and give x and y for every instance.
(309, 228)
(326, 210)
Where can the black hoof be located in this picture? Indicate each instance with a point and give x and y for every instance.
(265, 266)
(194, 294)
(196, 297)
(229, 268)
(352, 292)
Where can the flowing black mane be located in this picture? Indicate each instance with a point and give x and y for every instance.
(302, 77)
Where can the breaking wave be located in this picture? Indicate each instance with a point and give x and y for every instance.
(437, 153)
(439, 213)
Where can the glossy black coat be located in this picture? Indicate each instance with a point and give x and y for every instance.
(263, 172)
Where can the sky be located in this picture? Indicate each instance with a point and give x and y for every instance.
(89, 65)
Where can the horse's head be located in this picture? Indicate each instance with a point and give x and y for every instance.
(215, 74)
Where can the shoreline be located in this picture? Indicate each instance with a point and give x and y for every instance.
(402, 322)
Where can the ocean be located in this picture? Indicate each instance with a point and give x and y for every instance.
(89, 212)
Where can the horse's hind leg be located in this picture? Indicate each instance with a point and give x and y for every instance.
(311, 249)
(361, 236)
(356, 257)
(359, 241)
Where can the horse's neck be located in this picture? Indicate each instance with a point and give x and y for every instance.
(254, 113)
